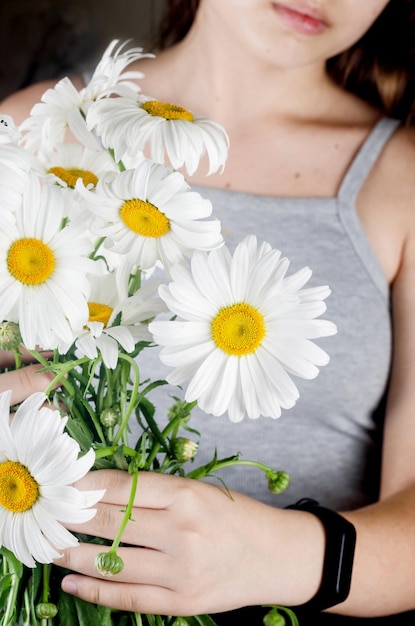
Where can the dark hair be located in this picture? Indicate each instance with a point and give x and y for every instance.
(59, 38)
(379, 68)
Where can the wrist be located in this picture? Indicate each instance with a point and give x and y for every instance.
(340, 540)
(292, 556)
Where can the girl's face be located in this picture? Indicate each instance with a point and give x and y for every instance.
(290, 33)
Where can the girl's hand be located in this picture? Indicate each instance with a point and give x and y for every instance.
(23, 381)
(194, 548)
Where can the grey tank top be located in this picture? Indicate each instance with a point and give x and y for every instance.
(329, 442)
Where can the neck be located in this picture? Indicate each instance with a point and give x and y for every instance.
(209, 75)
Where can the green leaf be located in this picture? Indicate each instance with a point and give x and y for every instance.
(76, 612)
(79, 431)
(147, 410)
(14, 564)
(5, 583)
(33, 587)
(66, 610)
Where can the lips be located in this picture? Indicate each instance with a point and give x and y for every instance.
(301, 17)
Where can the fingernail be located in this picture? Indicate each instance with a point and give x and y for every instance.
(69, 586)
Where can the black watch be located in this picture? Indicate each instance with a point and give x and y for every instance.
(338, 557)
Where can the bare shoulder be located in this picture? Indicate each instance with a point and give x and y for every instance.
(20, 103)
(396, 180)
(386, 203)
(395, 171)
(392, 181)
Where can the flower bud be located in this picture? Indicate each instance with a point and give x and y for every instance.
(108, 563)
(183, 449)
(110, 416)
(278, 481)
(274, 618)
(180, 409)
(46, 610)
(10, 337)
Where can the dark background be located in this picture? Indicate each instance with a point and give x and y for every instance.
(42, 39)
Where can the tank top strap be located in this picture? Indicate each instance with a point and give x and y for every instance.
(366, 158)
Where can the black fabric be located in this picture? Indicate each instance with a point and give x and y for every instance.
(253, 616)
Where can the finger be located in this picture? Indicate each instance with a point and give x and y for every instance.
(135, 598)
(146, 527)
(8, 357)
(141, 565)
(156, 491)
(25, 381)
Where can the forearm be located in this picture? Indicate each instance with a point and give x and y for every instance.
(384, 565)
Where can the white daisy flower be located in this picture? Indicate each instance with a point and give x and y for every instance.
(114, 320)
(59, 110)
(245, 329)
(15, 163)
(72, 161)
(43, 267)
(8, 131)
(130, 125)
(110, 77)
(150, 214)
(63, 107)
(38, 464)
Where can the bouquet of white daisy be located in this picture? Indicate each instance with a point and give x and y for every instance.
(106, 251)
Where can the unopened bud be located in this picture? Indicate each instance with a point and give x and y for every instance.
(183, 449)
(10, 337)
(108, 563)
(181, 409)
(110, 416)
(274, 618)
(46, 610)
(278, 481)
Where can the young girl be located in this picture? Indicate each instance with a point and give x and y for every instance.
(317, 98)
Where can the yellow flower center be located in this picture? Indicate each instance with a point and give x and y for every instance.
(167, 110)
(18, 489)
(71, 175)
(238, 329)
(144, 218)
(30, 261)
(99, 312)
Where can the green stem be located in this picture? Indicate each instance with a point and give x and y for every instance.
(46, 577)
(123, 395)
(97, 246)
(101, 453)
(133, 398)
(172, 426)
(9, 614)
(45, 590)
(60, 379)
(204, 470)
(26, 601)
(138, 619)
(17, 359)
(128, 511)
